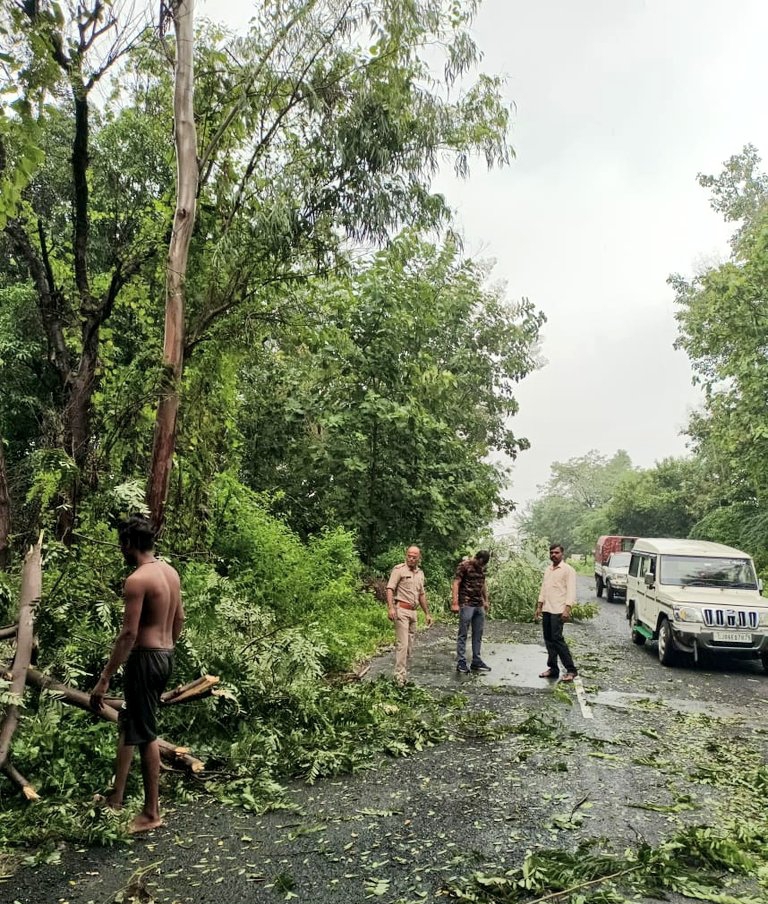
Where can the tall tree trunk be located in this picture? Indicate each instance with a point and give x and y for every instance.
(5, 510)
(187, 174)
(31, 589)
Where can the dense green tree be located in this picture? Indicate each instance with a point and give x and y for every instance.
(723, 327)
(571, 503)
(381, 406)
(658, 502)
(555, 519)
(590, 479)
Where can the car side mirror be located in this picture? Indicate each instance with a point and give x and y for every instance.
(760, 585)
(649, 580)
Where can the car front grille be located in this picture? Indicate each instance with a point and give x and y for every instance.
(747, 619)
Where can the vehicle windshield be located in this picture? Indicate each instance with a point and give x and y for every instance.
(706, 571)
(620, 560)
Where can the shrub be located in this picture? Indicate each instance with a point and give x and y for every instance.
(514, 581)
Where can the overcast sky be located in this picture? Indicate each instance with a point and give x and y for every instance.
(619, 104)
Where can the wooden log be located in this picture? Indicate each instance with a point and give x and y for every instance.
(15, 776)
(31, 590)
(178, 756)
(7, 632)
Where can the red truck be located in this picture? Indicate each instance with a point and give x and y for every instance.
(605, 547)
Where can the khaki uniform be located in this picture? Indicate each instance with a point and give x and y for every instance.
(407, 589)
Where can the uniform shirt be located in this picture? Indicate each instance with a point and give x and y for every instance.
(558, 589)
(406, 585)
(471, 578)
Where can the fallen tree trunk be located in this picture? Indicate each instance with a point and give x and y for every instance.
(7, 632)
(31, 589)
(173, 753)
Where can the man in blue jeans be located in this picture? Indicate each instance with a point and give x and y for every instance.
(470, 600)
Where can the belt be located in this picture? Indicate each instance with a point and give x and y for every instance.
(405, 605)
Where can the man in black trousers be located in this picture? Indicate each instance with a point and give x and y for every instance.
(556, 599)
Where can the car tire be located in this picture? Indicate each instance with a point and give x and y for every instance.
(599, 586)
(609, 593)
(764, 660)
(637, 637)
(666, 649)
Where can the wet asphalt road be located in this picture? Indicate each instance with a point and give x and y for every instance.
(578, 765)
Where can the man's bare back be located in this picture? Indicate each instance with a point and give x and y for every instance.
(158, 586)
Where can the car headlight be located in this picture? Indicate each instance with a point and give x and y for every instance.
(687, 614)
(619, 578)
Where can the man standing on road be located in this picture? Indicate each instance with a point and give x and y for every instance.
(405, 593)
(469, 597)
(556, 599)
(152, 621)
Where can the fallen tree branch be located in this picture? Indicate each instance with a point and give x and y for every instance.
(31, 590)
(8, 631)
(15, 776)
(179, 756)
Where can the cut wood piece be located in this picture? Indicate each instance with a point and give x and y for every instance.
(193, 690)
(15, 776)
(31, 589)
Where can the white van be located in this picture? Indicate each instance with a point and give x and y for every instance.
(691, 595)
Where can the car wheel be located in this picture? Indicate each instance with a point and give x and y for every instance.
(764, 660)
(599, 586)
(637, 637)
(609, 593)
(666, 646)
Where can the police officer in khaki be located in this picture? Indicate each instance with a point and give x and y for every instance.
(405, 593)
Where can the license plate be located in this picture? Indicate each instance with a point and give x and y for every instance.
(732, 637)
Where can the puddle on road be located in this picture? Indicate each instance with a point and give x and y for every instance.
(512, 665)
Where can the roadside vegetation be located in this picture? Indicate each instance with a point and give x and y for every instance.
(314, 405)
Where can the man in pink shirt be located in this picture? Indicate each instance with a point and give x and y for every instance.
(556, 599)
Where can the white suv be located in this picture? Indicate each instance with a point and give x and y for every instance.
(690, 595)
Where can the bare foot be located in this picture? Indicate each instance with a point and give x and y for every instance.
(109, 801)
(144, 823)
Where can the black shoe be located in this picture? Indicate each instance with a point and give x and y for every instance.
(480, 666)
(462, 667)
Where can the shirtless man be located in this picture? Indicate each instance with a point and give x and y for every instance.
(152, 622)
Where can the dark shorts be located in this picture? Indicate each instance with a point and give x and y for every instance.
(146, 677)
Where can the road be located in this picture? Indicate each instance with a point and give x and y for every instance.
(531, 766)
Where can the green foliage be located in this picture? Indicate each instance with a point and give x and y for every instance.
(741, 525)
(571, 507)
(658, 502)
(723, 331)
(514, 581)
(389, 399)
